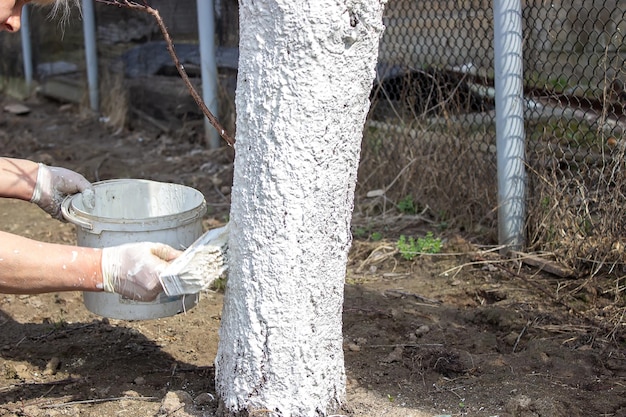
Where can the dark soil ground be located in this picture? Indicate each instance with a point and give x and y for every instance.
(461, 333)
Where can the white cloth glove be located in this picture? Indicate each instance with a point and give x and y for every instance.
(133, 269)
(54, 184)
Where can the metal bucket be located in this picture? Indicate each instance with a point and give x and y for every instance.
(129, 210)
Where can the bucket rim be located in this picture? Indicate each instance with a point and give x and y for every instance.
(96, 224)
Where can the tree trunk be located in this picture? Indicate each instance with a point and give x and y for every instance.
(305, 73)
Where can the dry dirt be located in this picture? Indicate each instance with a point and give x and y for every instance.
(456, 334)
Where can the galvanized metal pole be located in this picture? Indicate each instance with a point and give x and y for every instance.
(26, 48)
(91, 55)
(206, 33)
(509, 122)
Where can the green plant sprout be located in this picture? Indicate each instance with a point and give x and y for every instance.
(407, 205)
(410, 247)
(365, 232)
(359, 232)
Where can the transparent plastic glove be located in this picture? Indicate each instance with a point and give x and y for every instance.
(133, 269)
(54, 184)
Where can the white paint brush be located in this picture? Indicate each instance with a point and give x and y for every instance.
(199, 265)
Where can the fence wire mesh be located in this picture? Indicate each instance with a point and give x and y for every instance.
(429, 139)
(430, 136)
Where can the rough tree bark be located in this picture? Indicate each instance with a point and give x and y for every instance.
(305, 72)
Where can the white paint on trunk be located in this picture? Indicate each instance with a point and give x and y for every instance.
(305, 72)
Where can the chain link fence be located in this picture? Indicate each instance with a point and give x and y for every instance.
(429, 142)
(430, 137)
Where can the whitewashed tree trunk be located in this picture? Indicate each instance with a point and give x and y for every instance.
(305, 72)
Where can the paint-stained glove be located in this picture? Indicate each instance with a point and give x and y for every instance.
(133, 269)
(54, 184)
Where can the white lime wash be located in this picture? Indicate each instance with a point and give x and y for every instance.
(305, 72)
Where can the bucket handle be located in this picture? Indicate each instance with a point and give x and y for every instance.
(65, 210)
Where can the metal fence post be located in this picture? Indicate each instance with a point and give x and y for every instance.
(206, 34)
(509, 122)
(26, 48)
(91, 56)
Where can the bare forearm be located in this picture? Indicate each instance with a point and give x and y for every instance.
(31, 267)
(17, 178)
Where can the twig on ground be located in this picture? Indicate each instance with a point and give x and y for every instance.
(402, 293)
(519, 337)
(406, 345)
(480, 261)
(564, 328)
(144, 116)
(618, 321)
(545, 264)
(100, 400)
(378, 255)
(366, 310)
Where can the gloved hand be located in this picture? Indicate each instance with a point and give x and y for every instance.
(133, 269)
(54, 184)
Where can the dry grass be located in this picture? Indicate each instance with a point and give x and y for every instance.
(580, 216)
(114, 100)
(576, 195)
(437, 164)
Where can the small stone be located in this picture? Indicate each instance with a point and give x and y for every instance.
(18, 109)
(422, 330)
(10, 372)
(204, 399)
(52, 366)
(35, 302)
(375, 193)
(511, 338)
(33, 411)
(140, 380)
(22, 371)
(175, 400)
(519, 404)
(353, 347)
(395, 356)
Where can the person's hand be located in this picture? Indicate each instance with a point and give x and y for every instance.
(133, 269)
(54, 184)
